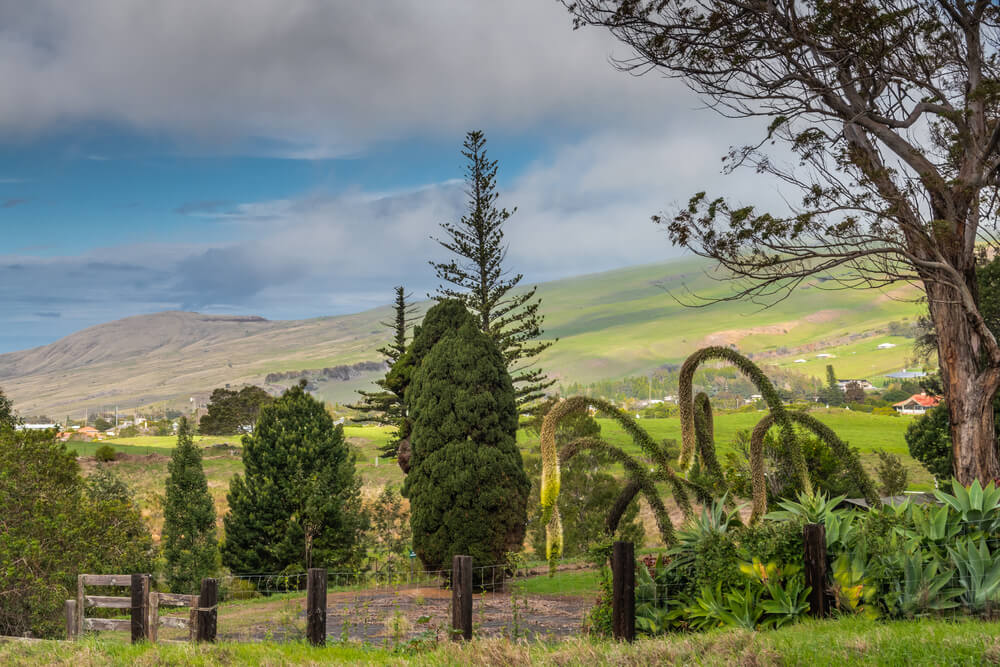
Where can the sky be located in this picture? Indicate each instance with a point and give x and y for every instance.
(295, 158)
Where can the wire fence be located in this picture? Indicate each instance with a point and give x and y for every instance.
(394, 607)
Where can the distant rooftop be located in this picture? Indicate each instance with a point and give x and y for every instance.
(906, 375)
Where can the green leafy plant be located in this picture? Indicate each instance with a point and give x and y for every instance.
(853, 590)
(810, 508)
(736, 608)
(788, 603)
(977, 505)
(978, 572)
(105, 453)
(924, 587)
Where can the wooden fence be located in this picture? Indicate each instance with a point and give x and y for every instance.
(144, 606)
(201, 622)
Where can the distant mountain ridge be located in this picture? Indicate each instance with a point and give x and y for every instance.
(611, 324)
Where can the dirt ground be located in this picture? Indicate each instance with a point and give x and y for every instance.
(394, 615)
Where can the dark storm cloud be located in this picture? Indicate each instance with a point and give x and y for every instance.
(313, 77)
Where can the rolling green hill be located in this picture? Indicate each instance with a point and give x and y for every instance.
(609, 325)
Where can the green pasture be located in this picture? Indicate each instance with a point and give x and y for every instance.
(585, 583)
(146, 466)
(865, 431)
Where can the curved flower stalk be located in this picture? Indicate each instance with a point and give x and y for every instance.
(848, 458)
(685, 398)
(635, 471)
(638, 480)
(704, 426)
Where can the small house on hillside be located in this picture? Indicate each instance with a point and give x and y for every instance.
(87, 433)
(917, 404)
(864, 384)
(885, 346)
(906, 375)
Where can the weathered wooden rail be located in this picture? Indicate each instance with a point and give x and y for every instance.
(144, 606)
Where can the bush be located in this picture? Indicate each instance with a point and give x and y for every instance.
(929, 441)
(105, 453)
(891, 474)
(56, 525)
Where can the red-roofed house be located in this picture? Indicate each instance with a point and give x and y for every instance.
(917, 404)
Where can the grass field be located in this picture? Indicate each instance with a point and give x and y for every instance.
(143, 461)
(844, 642)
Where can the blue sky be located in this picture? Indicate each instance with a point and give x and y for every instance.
(293, 160)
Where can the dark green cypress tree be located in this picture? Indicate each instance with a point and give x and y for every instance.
(480, 281)
(189, 541)
(467, 487)
(387, 406)
(298, 504)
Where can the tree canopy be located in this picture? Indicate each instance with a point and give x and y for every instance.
(231, 412)
(55, 525)
(189, 542)
(298, 504)
(467, 487)
(388, 406)
(891, 109)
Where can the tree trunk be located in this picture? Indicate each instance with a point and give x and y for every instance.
(969, 387)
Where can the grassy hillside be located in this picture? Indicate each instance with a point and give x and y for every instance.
(609, 325)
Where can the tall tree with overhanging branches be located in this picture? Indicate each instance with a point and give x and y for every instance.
(892, 109)
(478, 278)
(388, 406)
(189, 542)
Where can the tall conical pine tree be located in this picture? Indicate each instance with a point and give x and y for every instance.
(387, 406)
(477, 277)
(189, 541)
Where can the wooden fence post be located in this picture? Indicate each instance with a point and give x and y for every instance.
(461, 597)
(70, 611)
(623, 591)
(814, 560)
(316, 606)
(208, 614)
(79, 605)
(140, 607)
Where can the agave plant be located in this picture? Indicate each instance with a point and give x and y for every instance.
(699, 472)
(978, 572)
(975, 505)
(714, 519)
(712, 608)
(924, 587)
(810, 508)
(841, 530)
(788, 603)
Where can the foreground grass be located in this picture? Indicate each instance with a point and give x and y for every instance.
(836, 642)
